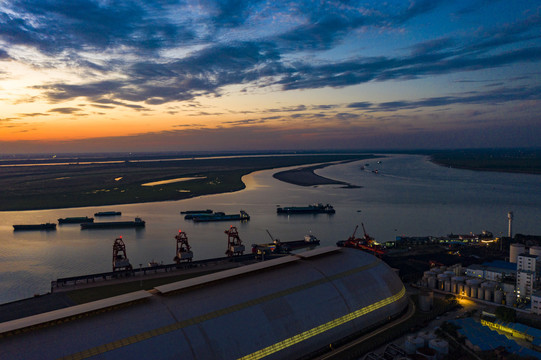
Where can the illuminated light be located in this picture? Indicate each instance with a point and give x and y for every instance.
(324, 327)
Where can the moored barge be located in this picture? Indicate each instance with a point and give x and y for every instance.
(46, 226)
(138, 222)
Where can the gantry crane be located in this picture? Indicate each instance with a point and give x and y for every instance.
(183, 248)
(234, 243)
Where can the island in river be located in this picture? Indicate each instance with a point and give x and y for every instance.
(75, 182)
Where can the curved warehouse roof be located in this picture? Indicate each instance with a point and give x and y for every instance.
(281, 308)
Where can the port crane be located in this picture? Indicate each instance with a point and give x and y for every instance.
(183, 248)
(120, 259)
(366, 243)
(234, 243)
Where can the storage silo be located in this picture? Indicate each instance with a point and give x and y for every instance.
(467, 290)
(413, 343)
(535, 250)
(473, 291)
(488, 293)
(432, 282)
(426, 300)
(441, 346)
(515, 250)
(498, 297)
(510, 299)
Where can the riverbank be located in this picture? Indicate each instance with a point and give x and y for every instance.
(99, 183)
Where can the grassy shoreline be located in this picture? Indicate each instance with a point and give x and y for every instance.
(71, 185)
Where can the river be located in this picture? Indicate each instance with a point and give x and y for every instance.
(408, 196)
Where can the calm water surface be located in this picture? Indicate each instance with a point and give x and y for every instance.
(408, 196)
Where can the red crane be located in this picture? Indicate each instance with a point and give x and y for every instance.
(183, 248)
(120, 259)
(234, 243)
(366, 243)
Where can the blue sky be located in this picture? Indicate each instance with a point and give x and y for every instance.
(86, 75)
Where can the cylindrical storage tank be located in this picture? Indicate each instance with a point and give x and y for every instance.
(441, 346)
(467, 290)
(510, 299)
(498, 297)
(481, 293)
(413, 343)
(447, 286)
(473, 291)
(432, 282)
(488, 294)
(426, 300)
(443, 268)
(535, 250)
(426, 336)
(458, 279)
(507, 287)
(453, 287)
(515, 250)
(450, 273)
(474, 282)
(428, 273)
(437, 270)
(461, 288)
(428, 353)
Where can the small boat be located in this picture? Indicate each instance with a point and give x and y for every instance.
(310, 209)
(138, 222)
(242, 216)
(46, 226)
(108, 213)
(75, 220)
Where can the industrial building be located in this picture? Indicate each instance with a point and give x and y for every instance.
(277, 309)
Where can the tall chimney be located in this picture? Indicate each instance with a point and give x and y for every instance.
(510, 217)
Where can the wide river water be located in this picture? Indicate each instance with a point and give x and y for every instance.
(409, 196)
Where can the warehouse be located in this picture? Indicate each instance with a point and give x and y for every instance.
(281, 308)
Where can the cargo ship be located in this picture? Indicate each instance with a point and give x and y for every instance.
(242, 216)
(366, 243)
(138, 222)
(46, 226)
(108, 213)
(284, 247)
(191, 212)
(310, 209)
(75, 220)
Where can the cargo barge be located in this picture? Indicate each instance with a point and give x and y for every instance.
(284, 247)
(138, 222)
(46, 226)
(310, 209)
(108, 213)
(75, 220)
(242, 216)
(191, 212)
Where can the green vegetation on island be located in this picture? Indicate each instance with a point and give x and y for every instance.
(78, 184)
(502, 160)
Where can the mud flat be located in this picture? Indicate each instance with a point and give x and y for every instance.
(305, 176)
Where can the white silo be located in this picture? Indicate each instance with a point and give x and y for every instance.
(473, 291)
(488, 294)
(467, 290)
(535, 250)
(515, 250)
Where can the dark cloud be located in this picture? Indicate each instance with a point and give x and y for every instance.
(360, 105)
(65, 110)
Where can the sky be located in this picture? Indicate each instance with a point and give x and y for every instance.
(233, 75)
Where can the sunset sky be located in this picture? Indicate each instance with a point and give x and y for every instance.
(165, 75)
